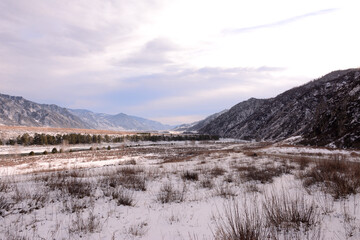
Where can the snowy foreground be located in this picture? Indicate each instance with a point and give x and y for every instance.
(181, 190)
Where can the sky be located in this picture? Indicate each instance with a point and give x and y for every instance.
(174, 61)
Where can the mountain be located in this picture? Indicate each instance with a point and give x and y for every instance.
(195, 126)
(325, 112)
(17, 111)
(117, 122)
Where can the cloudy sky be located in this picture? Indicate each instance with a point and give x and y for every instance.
(174, 61)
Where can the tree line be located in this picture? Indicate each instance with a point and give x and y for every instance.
(77, 138)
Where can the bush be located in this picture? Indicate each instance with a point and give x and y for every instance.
(54, 150)
(338, 177)
(108, 148)
(191, 176)
(168, 194)
(217, 171)
(45, 152)
(265, 175)
(31, 153)
(123, 197)
(78, 188)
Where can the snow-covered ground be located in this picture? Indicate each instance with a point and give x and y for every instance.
(176, 190)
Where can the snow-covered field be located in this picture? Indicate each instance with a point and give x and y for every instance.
(181, 190)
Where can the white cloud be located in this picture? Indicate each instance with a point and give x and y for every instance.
(72, 52)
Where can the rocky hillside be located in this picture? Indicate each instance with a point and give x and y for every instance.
(325, 111)
(17, 111)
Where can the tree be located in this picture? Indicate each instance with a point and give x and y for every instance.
(26, 139)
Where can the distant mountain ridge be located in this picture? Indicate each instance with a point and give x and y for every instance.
(325, 112)
(117, 122)
(195, 126)
(17, 111)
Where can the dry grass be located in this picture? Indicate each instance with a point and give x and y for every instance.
(240, 223)
(283, 211)
(336, 176)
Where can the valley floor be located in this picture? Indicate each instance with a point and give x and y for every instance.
(181, 190)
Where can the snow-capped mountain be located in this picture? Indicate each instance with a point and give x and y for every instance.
(17, 111)
(324, 112)
(117, 122)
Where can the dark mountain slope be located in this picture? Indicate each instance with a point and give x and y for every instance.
(323, 111)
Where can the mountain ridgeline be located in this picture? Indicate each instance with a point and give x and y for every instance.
(17, 111)
(325, 112)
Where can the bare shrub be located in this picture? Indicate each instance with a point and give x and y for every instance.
(207, 183)
(264, 175)
(78, 188)
(229, 178)
(75, 205)
(138, 230)
(240, 223)
(127, 170)
(5, 206)
(89, 224)
(38, 199)
(191, 176)
(338, 177)
(131, 181)
(136, 183)
(247, 168)
(129, 162)
(15, 235)
(168, 193)
(217, 171)
(285, 212)
(250, 154)
(303, 162)
(123, 197)
(224, 191)
(4, 185)
(20, 195)
(252, 187)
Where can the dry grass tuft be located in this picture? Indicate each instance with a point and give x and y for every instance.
(240, 223)
(285, 212)
(168, 193)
